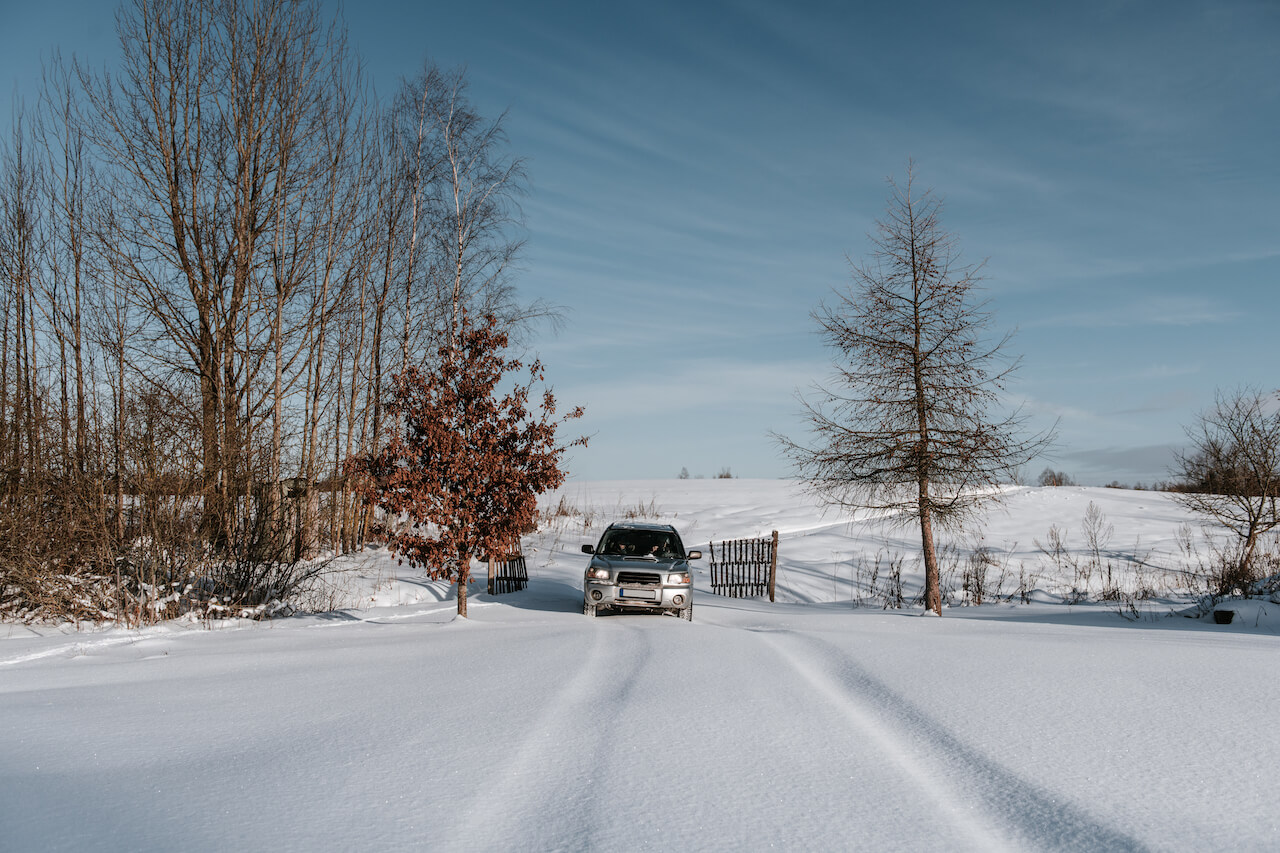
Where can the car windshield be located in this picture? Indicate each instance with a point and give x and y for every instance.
(651, 544)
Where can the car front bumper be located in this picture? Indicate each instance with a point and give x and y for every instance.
(638, 596)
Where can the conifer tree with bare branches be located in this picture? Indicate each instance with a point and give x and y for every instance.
(909, 427)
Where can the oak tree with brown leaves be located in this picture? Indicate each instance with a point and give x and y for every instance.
(462, 468)
(909, 429)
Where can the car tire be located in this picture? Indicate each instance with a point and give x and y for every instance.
(686, 613)
(588, 609)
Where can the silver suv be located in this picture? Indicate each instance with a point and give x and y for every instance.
(641, 566)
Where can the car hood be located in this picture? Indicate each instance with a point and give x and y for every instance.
(638, 564)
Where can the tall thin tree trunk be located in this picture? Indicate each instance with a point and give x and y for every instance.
(932, 583)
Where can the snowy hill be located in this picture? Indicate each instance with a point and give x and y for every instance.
(810, 723)
(826, 557)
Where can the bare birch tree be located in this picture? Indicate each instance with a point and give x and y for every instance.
(477, 191)
(459, 214)
(907, 427)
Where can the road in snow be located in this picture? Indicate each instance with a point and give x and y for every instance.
(787, 726)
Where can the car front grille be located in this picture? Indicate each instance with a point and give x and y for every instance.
(640, 577)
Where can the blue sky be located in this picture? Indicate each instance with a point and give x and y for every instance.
(701, 171)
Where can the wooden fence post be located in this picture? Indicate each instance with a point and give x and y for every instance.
(773, 565)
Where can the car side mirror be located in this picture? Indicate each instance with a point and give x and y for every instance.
(588, 549)
(694, 555)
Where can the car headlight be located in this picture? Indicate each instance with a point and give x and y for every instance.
(681, 578)
(598, 574)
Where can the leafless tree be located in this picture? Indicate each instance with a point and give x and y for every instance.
(906, 427)
(21, 444)
(1230, 473)
(1050, 477)
(69, 281)
(475, 201)
(24, 474)
(47, 479)
(223, 131)
(415, 158)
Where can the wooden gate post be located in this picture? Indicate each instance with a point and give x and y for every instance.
(773, 564)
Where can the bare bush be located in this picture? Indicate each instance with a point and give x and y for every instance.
(1065, 563)
(1097, 534)
(976, 584)
(878, 581)
(891, 592)
(1213, 565)
(1230, 477)
(639, 510)
(949, 560)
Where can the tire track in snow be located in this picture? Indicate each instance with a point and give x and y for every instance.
(942, 764)
(543, 796)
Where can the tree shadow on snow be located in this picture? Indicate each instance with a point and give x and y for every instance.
(544, 594)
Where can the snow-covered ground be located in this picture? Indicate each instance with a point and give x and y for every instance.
(810, 723)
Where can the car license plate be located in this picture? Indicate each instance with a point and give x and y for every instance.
(638, 593)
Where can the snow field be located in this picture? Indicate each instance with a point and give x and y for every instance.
(800, 725)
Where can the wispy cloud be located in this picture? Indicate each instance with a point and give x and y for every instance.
(1173, 401)
(1152, 311)
(664, 389)
(1056, 410)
